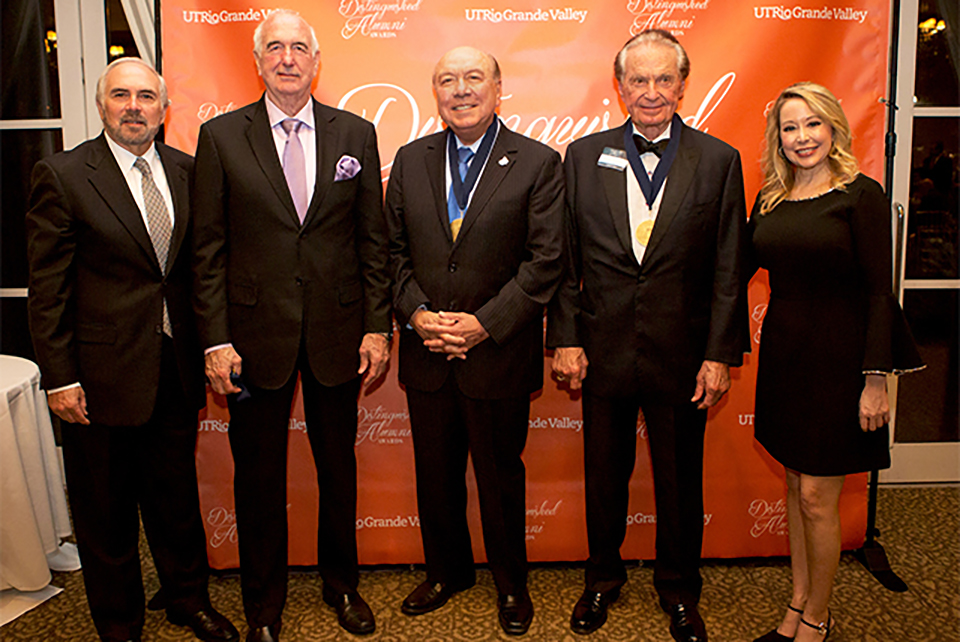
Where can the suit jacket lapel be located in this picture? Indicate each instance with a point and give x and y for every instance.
(108, 180)
(435, 161)
(493, 174)
(178, 181)
(328, 141)
(261, 142)
(678, 182)
(615, 187)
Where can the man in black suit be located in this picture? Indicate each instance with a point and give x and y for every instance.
(653, 302)
(475, 220)
(108, 235)
(290, 277)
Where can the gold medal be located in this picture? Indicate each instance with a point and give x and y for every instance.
(644, 230)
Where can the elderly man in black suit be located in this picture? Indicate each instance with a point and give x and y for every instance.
(108, 235)
(291, 278)
(475, 220)
(654, 303)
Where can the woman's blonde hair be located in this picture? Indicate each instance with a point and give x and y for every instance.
(778, 172)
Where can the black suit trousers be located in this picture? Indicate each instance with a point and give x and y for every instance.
(675, 435)
(113, 470)
(446, 426)
(259, 428)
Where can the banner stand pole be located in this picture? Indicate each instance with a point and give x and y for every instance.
(871, 554)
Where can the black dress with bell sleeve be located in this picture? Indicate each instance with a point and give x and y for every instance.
(832, 318)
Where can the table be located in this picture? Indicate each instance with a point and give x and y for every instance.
(33, 504)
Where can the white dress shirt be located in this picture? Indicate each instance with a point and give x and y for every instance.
(636, 202)
(126, 159)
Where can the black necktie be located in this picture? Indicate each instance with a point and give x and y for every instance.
(644, 146)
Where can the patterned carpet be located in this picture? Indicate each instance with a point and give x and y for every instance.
(741, 600)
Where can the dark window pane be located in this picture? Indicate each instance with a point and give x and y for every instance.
(937, 53)
(14, 334)
(120, 42)
(932, 229)
(29, 84)
(19, 150)
(927, 400)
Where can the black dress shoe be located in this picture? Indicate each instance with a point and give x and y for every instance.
(158, 602)
(686, 625)
(590, 612)
(265, 633)
(428, 597)
(353, 614)
(207, 624)
(823, 628)
(515, 613)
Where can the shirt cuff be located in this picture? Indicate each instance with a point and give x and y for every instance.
(217, 347)
(62, 388)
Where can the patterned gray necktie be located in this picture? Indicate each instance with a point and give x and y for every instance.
(158, 225)
(294, 167)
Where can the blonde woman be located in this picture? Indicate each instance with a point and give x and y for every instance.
(832, 331)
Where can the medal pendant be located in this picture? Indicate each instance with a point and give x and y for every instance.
(644, 230)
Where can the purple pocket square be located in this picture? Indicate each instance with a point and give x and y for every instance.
(347, 168)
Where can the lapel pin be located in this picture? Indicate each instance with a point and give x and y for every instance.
(503, 161)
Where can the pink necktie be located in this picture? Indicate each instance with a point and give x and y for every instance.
(294, 167)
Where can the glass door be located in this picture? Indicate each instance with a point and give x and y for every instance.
(926, 440)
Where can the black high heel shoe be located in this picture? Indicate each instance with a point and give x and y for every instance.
(822, 627)
(776, 636)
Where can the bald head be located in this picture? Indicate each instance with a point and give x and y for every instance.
(466, 82)
(468, 53)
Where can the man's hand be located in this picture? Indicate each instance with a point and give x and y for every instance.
(454, 333)
(713, 381)
(374, 357)
(874, 405)
(70, 405)
(422, 319)
(219, 365)
(570, 364)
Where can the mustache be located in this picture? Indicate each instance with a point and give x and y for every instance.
(133, 119)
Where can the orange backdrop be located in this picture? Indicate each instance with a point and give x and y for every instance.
(558, 85)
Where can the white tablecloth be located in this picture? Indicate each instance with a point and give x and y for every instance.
(33, 505)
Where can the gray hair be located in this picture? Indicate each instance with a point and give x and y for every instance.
(102, 81)
(258, 42)
(653, 36)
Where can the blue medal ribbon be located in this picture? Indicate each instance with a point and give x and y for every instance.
(462, 188)
(650, 188)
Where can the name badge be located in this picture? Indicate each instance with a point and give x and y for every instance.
(613, 159)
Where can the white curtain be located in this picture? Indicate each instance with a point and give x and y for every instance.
(142, 21)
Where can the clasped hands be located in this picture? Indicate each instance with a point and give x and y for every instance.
(450, 333)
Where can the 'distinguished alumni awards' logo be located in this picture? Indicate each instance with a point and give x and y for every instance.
(537, 517)
(759, 312)
(676, 16)
(769, 518)
(382, 426)
(374, 19)
(222, 527)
